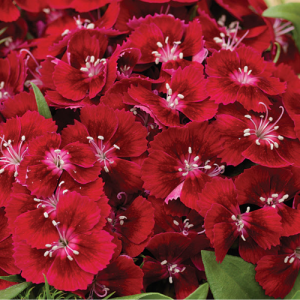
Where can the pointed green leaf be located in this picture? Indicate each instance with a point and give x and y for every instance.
(12, 278)
(13, 291)
(3, 30)
(287, 11)
(200, 293)
(42, 105)
(48, 295)
(232, 279)
(145, 296)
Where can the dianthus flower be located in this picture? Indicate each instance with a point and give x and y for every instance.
(77, 252)
(241, 75)
(15, 135)
(181, 161)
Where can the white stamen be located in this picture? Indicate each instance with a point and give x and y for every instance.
(175, 222)
(262, 199)
(233, 217)
(190, 150)
(164, 262)
(106, 169)
(180, 96)
(46, 215)
(159, 44)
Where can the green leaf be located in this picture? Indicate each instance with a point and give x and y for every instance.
(12, 278)
(145, 296)
(13, 291)
(42, 105)
(200, 293)
(3, 30)
(297, 295)
(48, 295)
(287, 11)
(109, 296)
(232, 279)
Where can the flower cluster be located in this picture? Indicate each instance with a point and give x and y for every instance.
(174, 129)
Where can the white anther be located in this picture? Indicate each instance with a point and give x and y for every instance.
(270, 119)
(164, 262)
(46, 253)
(247, 134)
(159, 44)
(154, 52)
(75, 252)
(274, 195)
(90, 138)
(48, 245)
(177, 42)
(106, 169)
(175, 222)
(65, 32)
(166, 40)
(54, 248)
(92, 59)
(196, 158)
(190, 150)
(180, 96)
(57, 151)
(262, 199)
(90, 26)
(247, 130)
(285, 196)
(242, 236)
(91, 75)
(54, 223)
(109, 220)
(157, 60)
(271, 146)
(122, 218)
(195, 165)
(286, 259)
(207, 167)
(240, 70)
(291, 260)
(179, 169)
(46, 215)
(276, 127)
(170, 280)
(170, 91)
(64, 191)
(248, 209)
(184, 174)
(100, 137)
(167, 86)
(61, 183)
(281, 138)
(174, 57)
(181, 55)
(276, 145)
(233, 217)
(257, 142)
(117, 147)
(36, 199)
(247, 116)
(274, 206)
(222, 35)
(97, 62)
(70, 257)
(173, 50)
(246, 69)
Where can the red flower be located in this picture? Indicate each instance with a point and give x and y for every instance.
(241, 75)
(224, 222)
(113, 136)
(15, 135)
(163, 38)
(266, 187)
(181, 161)
(46, 160)
(185, 93)
(277, 273)
(267, 139)
(78, 251)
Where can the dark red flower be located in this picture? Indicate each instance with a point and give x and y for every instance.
(267, 139)
(46, 160)
(241, 75)
(185, 93)
(224, 222)
(15, 135)
(113, 136)
(78, 252)
(181, 161)
(277, 273)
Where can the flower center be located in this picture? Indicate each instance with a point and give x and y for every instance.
(172, 269)
(92, 67)
(86, 23)
(101, 153)
(10, 156)
(184, 228)
(62, 245)
(274, 199)
(281, 29)
(173, 99)
(166, 52)
(291, 258)
(231, 34)
(265, 131)
(243, 76)
(240, 223)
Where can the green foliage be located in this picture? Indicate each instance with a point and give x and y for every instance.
(295, 292)
(200, 293)
(12, 278)
(297, 295)
(13, 291)
(42, 105)
(287, 11)
(232, 279)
